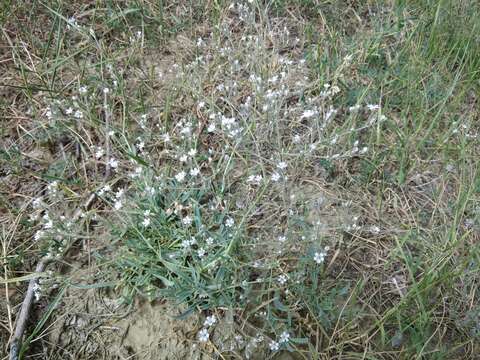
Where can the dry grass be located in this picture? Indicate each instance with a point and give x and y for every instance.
(355, 231)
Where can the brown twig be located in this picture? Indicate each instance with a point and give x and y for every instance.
(24, 314)
(25, 310)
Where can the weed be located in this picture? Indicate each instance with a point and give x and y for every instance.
(302, 173)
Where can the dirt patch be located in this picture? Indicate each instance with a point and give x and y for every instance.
(91, 325)
(92, 321)
(152, 332)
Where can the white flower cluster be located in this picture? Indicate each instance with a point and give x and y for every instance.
(284, 338)
(282, 279)
(319, 256)
(203, 334)
(146, 218)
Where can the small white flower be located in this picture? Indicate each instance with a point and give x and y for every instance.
(375, 229)
(275, 177)
(180, 176)
(282, 279)
(183, 158)
(104, 190)
(186, 130)
(113, 163)
(319, 257)
(82, 89)
(308, 114)
(284, 337)
(166, 137)
(34, 216)
(282, 238)
(52, 187)
(71, 22)
(354, 108)
(111, 133)
(78, 114)
(118, 205)
(209, 321)
(69, 111)
(201, 252)
(255, 179)
(146, 222)
(187, 220)
(192, 152)
(274, 346)
(37, 203)
(229, 222)
(201, 104)
(140, 145)
(209, 241)
(282, 165)
(194, 172)
(39, 234)
(186, 244)
(106, 90)
(203, 335)
(211, 128)
(373, 107)
(99, 153)
(355, 147)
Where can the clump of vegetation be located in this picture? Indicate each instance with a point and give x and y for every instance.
(302, 173)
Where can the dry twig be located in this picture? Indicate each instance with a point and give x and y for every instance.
(24, 314)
